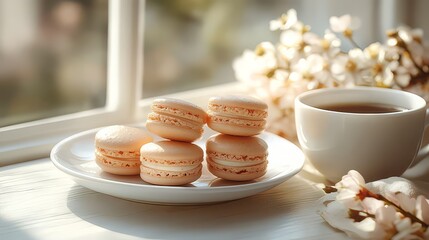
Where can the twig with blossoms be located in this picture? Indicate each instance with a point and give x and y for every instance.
(345, 24)
(303, 60)
(365, 214)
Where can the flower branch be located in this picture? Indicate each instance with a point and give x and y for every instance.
(359, 215)
(392, 215)
(303, 60)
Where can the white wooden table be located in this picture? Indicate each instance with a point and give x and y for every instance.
(37, 201)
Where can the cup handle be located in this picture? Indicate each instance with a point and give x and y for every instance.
(424, 150)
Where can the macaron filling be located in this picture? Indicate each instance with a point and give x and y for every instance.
(235, 121)
(261, 167)
(174, 168)
(235, 163)
(236, 157)
(169, 174)
(118, 153)
(116, 162)
(162, 109)
(174, 121)
(238, 111)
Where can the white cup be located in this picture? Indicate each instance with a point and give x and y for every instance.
(378, 145)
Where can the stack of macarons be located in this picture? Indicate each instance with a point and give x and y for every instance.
(233, 154)
(236, 154)
(124, 150)
(177, 161)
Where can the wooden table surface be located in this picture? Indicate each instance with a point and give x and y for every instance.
(37, 201)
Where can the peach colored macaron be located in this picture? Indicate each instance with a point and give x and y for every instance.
(117, 149)
(236, 158)
(237, 115)
(170, 162)
(176, 119)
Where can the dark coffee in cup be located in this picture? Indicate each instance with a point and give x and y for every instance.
(363, 108)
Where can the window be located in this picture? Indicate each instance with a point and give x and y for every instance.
(187, 45)
(192, 44)
(53, 58)
(33, 139)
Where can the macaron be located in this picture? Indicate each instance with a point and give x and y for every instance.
(170, 162)
(236, 158)
(237, 115)
(117, 149)
(176, 119)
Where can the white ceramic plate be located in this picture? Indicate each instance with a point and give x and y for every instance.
(75, 157)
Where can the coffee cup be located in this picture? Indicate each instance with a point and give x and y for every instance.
(375, 131)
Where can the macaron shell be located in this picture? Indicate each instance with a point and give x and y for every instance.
(242, 101)
(121, 138)
(172, 152)
(235, 145)
(118, 166)
(173, 132)
(234, 111)
(179, 108)
(237, 173)
(169, 178)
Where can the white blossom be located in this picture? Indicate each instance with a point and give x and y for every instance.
(328, 46)
(349, 186)
(351, 69)
(408, 35)
(307, 69)
(367, 214)
(303, 60)
(286, 21)
(254, 66)
(344, 24)
(292, 39)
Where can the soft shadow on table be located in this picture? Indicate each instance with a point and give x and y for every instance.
(15, 231)
(311, 174)
(178, 222)
(419, 175)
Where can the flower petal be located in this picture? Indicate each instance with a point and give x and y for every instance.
(407, 203)
(337, 216)
(371, 205)
(422, 209)
(386, 216)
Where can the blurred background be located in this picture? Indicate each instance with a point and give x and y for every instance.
(53, 53)
(53, 58)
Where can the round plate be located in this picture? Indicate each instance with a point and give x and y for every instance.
(75, 157)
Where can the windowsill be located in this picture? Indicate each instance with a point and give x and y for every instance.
(22, 143)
